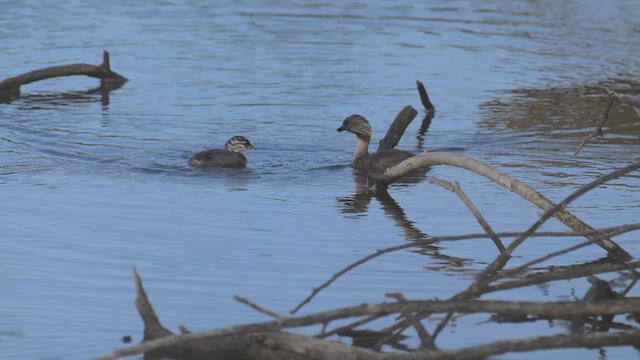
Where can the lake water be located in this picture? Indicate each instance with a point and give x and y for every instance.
(92, 184)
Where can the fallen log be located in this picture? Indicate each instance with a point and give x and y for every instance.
(11, 87)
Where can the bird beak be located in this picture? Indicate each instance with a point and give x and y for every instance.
(341, 128)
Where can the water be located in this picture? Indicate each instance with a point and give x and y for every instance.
(92, 185)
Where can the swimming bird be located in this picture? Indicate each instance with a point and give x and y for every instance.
(229, 157)
(362, 160)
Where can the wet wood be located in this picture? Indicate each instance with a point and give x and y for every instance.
(11, 86)
(397, 128)
(424, 97)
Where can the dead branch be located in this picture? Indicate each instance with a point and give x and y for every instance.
(426, 341)
(11, 86)
(561, 275)
(397, 128)
(608, 232)
(258, 307)
(487, 276)
(526, 192)
(634, 101)
(264, 331)
(424, 98)
(456, 189)
(153, 329)
(431, 113)
(560, 341)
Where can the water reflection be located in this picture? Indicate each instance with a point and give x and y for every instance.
(561, 113)
(358, 203)
(35, 101)
(424, 127)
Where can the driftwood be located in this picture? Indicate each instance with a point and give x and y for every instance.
(109, 79)
(633, 101)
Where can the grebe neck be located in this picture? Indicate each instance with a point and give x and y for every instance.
(362, 151)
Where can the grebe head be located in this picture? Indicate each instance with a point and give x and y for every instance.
(238, 144)
(358, 125)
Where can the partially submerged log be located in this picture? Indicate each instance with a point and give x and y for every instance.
(11, 87)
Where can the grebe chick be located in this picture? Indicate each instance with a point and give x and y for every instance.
(362, 160)
(230, 157)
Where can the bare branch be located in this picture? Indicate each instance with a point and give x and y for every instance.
(526, 192)
(426, 341)
(560, 341)
(424, 97)
(561, 309)
(634, 101)
(103, 71)
(561, 275)
(456, 189)
(258, 307)
(397, 128)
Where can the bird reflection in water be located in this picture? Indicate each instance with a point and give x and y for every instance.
(358, 203)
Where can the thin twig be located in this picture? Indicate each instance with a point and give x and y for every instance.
(610, 232)
(456, 189)
(552, 309)
(523, 190)
(426, 341)
(486, 276)
(598, 131)
(561, 275)
(259, 308)
(558, 341)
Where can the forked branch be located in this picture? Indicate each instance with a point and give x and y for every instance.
(523, 190)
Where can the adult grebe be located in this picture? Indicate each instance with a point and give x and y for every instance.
(362, 160)
(230, 157)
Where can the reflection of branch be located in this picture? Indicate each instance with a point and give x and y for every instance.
(526, 192)
(11, 86)
(634, 101)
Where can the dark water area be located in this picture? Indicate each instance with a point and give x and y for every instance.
(93, 183)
